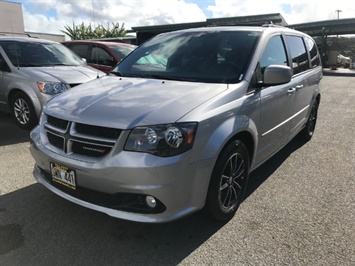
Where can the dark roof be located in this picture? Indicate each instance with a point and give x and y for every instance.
(317, 28)
(256, 20)
(146, 32)
(259, 20)
(327, 27)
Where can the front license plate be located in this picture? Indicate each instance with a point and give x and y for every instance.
(63, 175)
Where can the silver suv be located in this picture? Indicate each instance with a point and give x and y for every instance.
(32, 71)
(180, 123)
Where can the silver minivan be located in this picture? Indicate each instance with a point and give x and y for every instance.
(180, 123)
(32, 71)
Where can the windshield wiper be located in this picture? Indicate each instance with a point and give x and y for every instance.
(28, 65)
(177, 78)
(117, 73)
(59, 64)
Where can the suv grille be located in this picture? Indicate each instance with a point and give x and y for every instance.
(56, 122)
(97, 131)
(80, 139)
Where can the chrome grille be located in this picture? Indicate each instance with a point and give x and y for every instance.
(80, 139)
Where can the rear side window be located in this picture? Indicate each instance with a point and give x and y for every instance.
(274, 53)
(101, 57)
(298, 54)
(313, 51)
(80, 49)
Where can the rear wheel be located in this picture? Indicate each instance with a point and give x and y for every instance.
(307, 133)
(228, 182)
(23, 111)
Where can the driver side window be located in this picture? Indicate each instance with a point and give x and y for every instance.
(274, 54)
(3, 65)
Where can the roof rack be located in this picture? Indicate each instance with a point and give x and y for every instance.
(270, 24)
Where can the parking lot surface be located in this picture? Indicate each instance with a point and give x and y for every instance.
(299, 208)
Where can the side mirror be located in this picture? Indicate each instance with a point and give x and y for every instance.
(276, 75)
(84, 59)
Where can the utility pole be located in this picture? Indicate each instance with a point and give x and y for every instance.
(337, 40)
(338, 11)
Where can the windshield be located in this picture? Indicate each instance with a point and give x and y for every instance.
(203, 56)
(37, 54)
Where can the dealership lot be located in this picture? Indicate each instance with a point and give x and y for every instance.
(299, 208)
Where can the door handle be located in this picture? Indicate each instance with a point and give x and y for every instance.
(299, 86)
(291, 90)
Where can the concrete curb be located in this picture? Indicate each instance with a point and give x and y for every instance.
(339, 72)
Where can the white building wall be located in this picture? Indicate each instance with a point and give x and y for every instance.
(11, 19)
(12, 23)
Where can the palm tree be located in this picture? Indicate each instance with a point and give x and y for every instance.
(83, 32)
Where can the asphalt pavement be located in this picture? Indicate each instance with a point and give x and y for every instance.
(299, 208)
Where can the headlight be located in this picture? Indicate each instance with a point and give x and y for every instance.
(162, 140)
(52, 87)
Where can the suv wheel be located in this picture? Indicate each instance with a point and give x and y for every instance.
(23, 111)
(307, 133)
(228, 182)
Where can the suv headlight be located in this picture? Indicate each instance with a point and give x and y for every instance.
(52, 87)
(162, 140)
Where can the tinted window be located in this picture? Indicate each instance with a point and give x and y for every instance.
(194, 56)
(122, 51)
(313, 51)
(298, 53)
(274, 53)
(80, 49)
(3, 65)
(38, 54)
(101, 57)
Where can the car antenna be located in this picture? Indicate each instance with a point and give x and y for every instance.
(96, 51)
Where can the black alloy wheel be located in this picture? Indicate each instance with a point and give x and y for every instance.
(307, 132)
(228, 182)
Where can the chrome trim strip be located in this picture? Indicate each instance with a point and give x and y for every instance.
(284, 122)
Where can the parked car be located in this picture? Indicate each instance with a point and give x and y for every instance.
(32, 71)
(101, 55)
(180, 123)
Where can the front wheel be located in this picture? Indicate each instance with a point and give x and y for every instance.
(228, 181)
(23, 111)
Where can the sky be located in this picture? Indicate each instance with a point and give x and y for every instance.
(50, 16)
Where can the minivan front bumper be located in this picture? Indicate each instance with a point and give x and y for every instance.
(119, 185)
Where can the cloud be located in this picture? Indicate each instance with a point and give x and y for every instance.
(131, 12)
(50, 16)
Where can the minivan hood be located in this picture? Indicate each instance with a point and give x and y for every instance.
(67, 74)
(128, 102)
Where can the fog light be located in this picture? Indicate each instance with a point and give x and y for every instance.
(151, 202)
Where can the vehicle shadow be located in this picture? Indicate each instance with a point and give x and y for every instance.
(46, 229)
(10, 133)
(258, 176)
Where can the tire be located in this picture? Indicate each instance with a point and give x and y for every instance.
(228, 181)
(307, 132)
(23, 111)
